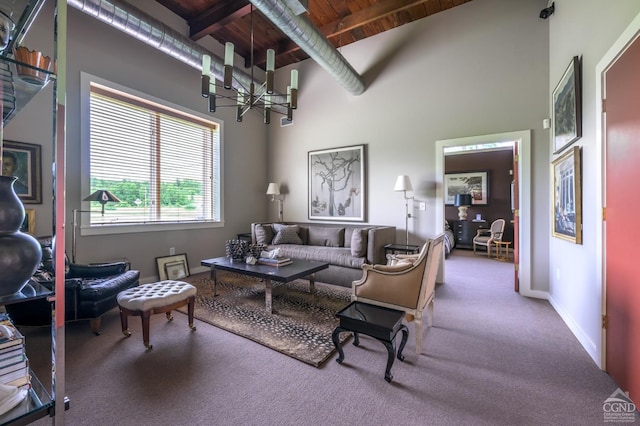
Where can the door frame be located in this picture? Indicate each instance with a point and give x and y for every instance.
(523, 139)
(615, 51)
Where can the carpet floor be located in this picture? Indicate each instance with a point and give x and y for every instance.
(301, 323)
(491, 358)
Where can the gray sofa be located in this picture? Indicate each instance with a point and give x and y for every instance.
(346, 247)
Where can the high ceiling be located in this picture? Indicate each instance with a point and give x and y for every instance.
(342, 22)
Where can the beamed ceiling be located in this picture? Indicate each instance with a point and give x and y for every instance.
(342, 22)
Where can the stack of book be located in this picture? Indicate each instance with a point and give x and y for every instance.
(14, 365)
(276, 261)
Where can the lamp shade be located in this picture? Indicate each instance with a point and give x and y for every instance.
(103, 196)
(273, 189)
(462, 200)
(403, 183)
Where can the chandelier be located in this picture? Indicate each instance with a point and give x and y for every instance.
(245, 98)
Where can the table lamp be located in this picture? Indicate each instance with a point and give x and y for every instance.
(462, 202)
(103, 196)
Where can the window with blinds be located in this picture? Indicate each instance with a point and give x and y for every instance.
(161, 163)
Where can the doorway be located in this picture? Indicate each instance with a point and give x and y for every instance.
(523, 140)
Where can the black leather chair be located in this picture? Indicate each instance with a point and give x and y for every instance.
(90, 290)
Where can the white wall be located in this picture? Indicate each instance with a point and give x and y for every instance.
(587, 29)
(480, 68)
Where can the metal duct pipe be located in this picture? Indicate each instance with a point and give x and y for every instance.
(151, 31)
(302, 32)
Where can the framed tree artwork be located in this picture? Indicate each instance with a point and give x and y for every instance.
(567, 107)
(337, 184)
(24, 161)
(567, 197)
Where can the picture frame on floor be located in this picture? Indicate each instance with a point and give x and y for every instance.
(172, 267)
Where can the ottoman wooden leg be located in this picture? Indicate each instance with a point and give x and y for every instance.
(191, 302)
(146, 316)
(169, 316)
(124, 321)
(95, 325)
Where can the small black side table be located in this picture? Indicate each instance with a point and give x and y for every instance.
(375, 321)
(401, 248)
(246, 236)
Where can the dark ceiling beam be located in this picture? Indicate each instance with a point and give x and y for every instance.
(214, 19)
(355, 20)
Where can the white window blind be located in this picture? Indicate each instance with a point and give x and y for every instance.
(161, 163)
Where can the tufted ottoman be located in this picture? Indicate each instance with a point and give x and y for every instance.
(155, 298)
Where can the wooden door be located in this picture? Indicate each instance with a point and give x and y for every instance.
(516, 219)
(622, 235)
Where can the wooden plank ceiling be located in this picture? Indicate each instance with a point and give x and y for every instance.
(341, 21)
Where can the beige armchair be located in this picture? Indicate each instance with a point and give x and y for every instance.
(408, 285)
(486, 237)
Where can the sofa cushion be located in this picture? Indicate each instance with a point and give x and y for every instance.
(325, 236)
(338, 256)
(286, 234)
(264, 234)
(359, 242)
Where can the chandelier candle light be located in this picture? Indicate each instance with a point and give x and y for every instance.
(247, 98)
(403, 183)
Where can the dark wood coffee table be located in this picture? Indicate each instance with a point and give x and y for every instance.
(378, 322)
(284, 274)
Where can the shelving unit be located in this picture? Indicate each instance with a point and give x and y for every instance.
(17, 92)
(465, 230)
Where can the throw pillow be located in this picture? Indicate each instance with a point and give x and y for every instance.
(327, 237)
(398, 267)
(264, 234)
(286, 234)
(359, 242)
(393, 259)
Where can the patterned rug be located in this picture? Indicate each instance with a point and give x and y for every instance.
(301, 323)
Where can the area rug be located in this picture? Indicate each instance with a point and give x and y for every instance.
(301, 323)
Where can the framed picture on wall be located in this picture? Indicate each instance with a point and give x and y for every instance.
(567, 107)
(337, 184)
(474, 183)
(23, 160)
(567, 197)
(29, 223)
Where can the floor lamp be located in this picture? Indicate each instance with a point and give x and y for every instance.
(274, 190)
(403, 183)
(102, 196)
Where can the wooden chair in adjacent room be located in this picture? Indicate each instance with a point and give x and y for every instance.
(486, 237)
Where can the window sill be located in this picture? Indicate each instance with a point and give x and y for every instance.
(151, 227)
